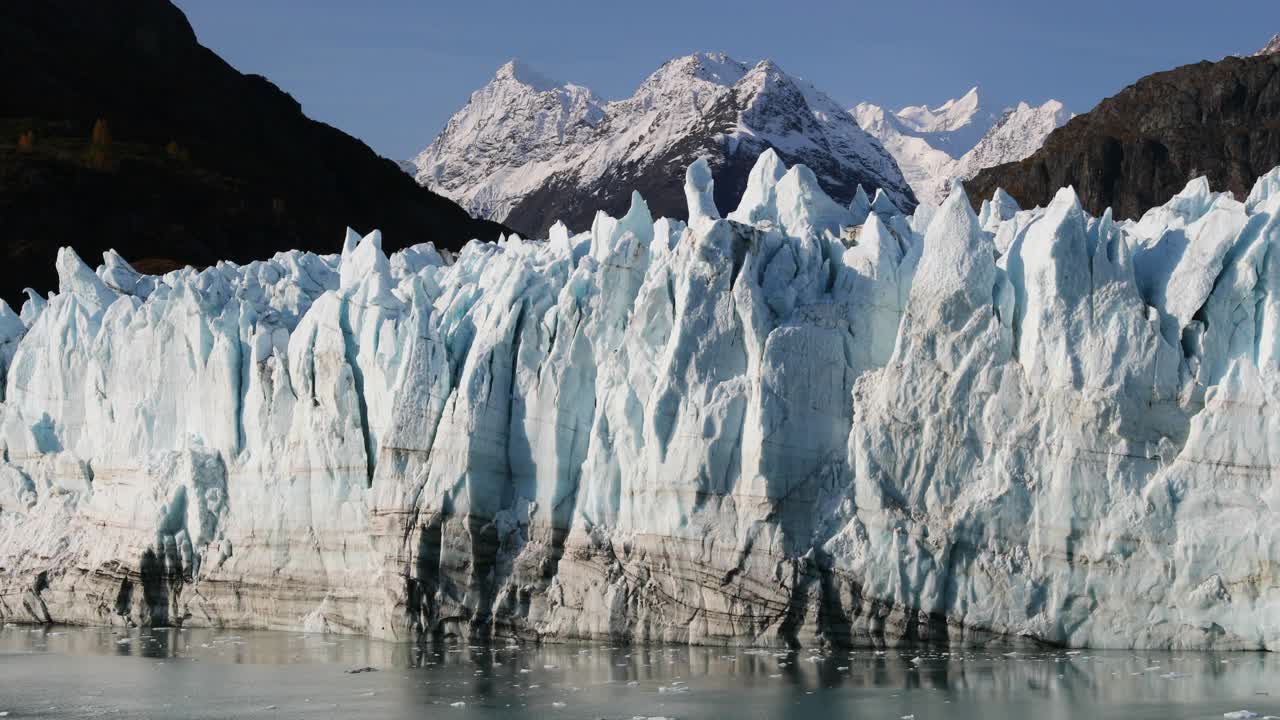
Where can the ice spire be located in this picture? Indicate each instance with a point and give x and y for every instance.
(33, 306)
(11, 324)
(860, 206)
(699, 192)
(76, 278)
(882, 205)
(760, 198)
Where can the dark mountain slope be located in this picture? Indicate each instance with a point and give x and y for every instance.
(1139, 147)
(119, 130)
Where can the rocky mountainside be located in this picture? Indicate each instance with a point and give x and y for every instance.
(933, 146)
(119, 130)
(1217, 119)
(529, 151)
(797, 425)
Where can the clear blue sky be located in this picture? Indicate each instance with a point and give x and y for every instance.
(391, 72)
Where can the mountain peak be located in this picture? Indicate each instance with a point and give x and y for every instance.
(517, 70)
(969, 99)
(958, 138)
(537, 158)
(949, 116)
(1272, 47)
(766, 72)
(713, 67)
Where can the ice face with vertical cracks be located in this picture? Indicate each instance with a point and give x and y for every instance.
(801, 423)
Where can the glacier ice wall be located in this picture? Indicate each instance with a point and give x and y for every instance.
(803, 423)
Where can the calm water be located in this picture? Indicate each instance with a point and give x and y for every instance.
(170, 673)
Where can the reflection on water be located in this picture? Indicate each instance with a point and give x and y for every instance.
(195, 673)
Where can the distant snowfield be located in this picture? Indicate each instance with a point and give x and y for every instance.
(934, 146)
(803, 423)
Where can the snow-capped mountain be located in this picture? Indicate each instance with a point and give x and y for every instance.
(933, 146)
(953, 127)
(531, 151)
(509, 139)
(925, 167)
(1018, 133)
(1272, 46)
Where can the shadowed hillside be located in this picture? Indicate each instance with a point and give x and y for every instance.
(119, 130)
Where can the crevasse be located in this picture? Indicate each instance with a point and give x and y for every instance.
(803, 423)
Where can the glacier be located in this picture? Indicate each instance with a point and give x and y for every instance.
(800, 424)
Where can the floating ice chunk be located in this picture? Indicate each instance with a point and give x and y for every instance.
(1240, 715)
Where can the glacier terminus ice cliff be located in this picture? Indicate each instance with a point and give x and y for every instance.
(803, 423)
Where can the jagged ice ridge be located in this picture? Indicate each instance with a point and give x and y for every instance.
(803, 423)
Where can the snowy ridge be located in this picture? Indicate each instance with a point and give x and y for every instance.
(514, 131)
(803, 423)
(953, 126)
(1016, 135)
(516, 139)
(1272, 47)
(934, 146)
